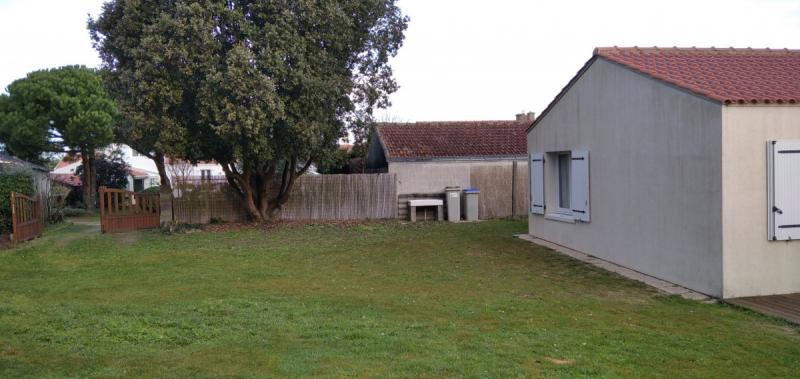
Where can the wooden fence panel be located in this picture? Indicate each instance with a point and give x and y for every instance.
(122, 210)
(27, 221)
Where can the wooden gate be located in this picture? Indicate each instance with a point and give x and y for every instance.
(26, 218)
(122, 210)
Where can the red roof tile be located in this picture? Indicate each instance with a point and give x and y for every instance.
(726, 75)
(453, 139)
(68, 179)
(137, 173)
(68, 160)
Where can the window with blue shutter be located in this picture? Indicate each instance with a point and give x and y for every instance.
(536, 175)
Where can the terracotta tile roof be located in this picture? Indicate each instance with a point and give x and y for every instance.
(138, 173)
(741, 76)
(68, 179)
(68, 160)
(453, 139)
(62, 163)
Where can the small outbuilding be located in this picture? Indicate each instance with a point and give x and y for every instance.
(683, 164)
(426, 157)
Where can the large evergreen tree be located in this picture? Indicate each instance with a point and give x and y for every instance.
(265, 88)
(58, 110)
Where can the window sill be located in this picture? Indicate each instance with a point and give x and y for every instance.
(561, 217)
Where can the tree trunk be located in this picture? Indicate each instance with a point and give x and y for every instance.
(166, 185)
(253, 187)
(260, 207)
(88, 180)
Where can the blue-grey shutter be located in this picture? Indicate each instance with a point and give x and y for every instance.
(579, 183)
(536, 175)
(784, 190)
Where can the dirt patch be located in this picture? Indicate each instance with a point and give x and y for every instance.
(559, 362)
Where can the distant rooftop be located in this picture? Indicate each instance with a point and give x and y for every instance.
(453, 139)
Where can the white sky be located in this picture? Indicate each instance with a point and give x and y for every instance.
(463, 59)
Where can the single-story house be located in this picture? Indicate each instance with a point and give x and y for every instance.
(680, 163)
(143, 173)
(426, 157)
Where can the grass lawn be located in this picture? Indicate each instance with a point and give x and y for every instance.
(373, 300)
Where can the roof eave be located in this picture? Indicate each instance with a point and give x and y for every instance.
(686, 89)
(563, 91)
(458, 158)
(588, 64)
(380, 141)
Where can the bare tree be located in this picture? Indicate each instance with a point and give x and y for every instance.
(180, 170)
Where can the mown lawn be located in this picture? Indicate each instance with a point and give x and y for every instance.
(373, 300)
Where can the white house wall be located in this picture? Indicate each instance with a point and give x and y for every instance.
(753, 265)
(655, 175)
(140, 162)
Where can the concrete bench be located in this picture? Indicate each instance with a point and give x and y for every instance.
(413, 204)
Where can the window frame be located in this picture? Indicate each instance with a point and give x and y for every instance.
(559, 208)
(576, 178)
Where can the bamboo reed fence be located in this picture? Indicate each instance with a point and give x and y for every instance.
(319, 197)
(342, 197)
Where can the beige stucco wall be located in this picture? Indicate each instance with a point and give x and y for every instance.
(429, 177)
(433, 176)
(492, 177)
(752, 265)
(655, 175)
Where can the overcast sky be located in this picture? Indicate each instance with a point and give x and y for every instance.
(463, 59)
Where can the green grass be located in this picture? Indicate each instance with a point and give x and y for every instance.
(374, 300)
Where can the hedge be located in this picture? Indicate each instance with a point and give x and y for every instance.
(16, 182)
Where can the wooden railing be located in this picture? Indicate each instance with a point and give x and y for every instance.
(122, 210)
(26, 218)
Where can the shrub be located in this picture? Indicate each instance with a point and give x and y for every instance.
(172, 227)
(57, 202)
(16, 182)
(153, 189)
(74, 212)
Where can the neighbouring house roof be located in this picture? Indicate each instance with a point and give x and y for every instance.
(725, 75)
(67, 161)
(453, 140)
(138, 173)
(740, 76)
(67, 179)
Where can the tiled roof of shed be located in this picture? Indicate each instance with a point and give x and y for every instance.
(453, 139)
(740, 76)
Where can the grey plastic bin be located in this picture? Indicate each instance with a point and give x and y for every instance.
(453, 199)
(469, 204)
